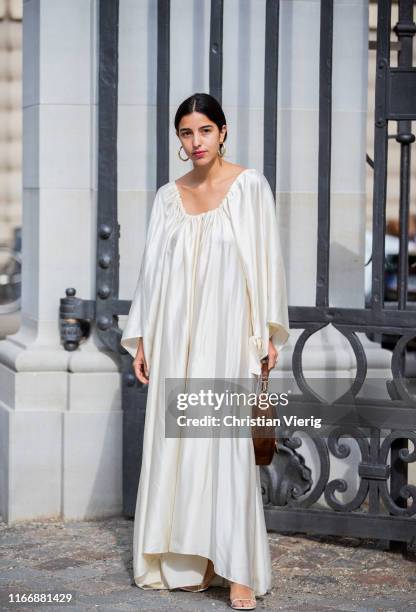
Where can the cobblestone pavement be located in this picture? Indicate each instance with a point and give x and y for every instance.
(93, 560)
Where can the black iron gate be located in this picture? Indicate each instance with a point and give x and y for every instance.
(389, 515)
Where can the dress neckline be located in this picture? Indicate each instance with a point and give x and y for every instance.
(211, 210)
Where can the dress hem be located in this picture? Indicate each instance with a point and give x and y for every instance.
(141, 586)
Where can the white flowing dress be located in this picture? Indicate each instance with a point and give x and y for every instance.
(210, 292)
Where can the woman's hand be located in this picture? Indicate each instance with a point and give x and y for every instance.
(273, 355)
(140, 365)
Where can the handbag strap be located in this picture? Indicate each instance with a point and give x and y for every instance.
(263, 379)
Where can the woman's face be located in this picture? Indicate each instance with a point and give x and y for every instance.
(200, 138)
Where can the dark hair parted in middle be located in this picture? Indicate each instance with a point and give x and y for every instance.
(202, 103)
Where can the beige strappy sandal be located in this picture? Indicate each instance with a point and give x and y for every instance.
(234, 607)
(236, 599)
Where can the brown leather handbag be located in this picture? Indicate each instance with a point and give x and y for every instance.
(264, 436)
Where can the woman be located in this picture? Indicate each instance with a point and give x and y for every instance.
(210, 302)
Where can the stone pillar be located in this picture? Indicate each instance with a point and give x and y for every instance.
(60, 414)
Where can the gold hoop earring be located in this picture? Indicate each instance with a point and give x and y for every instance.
(221, 150)
(179, 154)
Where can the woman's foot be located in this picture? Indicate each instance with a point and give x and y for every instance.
(242, 597)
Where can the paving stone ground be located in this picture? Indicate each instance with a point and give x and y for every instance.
(93, 561)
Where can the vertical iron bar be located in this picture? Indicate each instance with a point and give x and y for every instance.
(108, 259)
(403, 267)
(107, 278)
(162, 95)
(324, 154)
(404, 29)
(216, 49)
(373, 492)
(271, 72)
(380, 154)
